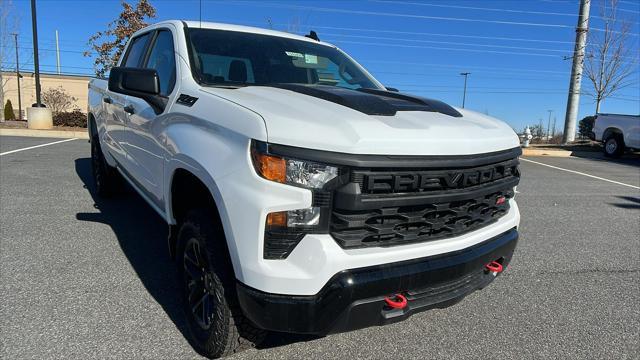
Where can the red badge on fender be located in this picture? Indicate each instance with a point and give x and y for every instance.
(500, 200)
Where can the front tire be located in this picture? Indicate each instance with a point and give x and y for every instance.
(613, 146)
(105, 178)
(216, 323)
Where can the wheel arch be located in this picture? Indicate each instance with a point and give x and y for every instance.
(189, 186)
(610, 131)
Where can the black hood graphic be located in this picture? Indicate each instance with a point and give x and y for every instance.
(371, 101)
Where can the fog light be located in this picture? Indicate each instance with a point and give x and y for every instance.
(303, 217)
(285, 229)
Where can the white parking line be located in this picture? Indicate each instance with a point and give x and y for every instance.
(581, 173)
(37, 146)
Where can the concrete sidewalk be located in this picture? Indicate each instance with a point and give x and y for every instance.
(64, 134)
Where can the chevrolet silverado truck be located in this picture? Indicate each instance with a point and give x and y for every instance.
(301, 195)
(617, 133)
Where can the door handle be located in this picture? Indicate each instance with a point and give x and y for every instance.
(107, 100)
(129, 109)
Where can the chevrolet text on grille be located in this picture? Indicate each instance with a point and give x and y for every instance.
(415, 181)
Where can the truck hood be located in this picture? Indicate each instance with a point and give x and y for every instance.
(316, 122)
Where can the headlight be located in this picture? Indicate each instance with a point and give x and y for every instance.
(295, 172)
(308, 174)
(285, 229)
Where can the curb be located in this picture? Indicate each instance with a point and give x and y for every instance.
(546, 152)
(64, 134)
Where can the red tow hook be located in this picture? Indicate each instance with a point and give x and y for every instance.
(397, 302)
(494, 267)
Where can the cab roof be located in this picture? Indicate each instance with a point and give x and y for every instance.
(239, 28)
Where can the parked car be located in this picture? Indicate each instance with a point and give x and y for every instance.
(617, 133)
(301, 194)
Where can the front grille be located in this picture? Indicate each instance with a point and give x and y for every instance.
(408, 224)
(421, 199)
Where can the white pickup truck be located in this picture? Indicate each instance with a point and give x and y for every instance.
(617, 133)
(301, 194)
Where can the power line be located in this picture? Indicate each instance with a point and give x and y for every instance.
(45, 49)
(436, 34)
(481, 8)
(497, 69)
(444, 42)
(451, 43)
(451, 75)
(13, 64)
(445, 48)
(415, 16)
(474, 8)
(253, 23)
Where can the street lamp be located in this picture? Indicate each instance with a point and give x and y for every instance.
(549, 124)
(464, 94)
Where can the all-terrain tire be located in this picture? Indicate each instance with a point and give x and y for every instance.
(106, 179)
(207, 281)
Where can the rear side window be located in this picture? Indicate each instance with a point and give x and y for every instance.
(136, 51)
(163, 59)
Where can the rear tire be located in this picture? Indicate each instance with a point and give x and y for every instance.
(105, 178)
(216, 323)
(613, 145)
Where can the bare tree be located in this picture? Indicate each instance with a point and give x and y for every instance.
(107, 46)
(610, 62)
(58, 100)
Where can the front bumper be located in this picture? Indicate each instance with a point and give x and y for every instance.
(354, 299)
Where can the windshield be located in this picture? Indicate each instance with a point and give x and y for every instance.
(230, 58)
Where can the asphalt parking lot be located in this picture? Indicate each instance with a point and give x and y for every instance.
(87, 278)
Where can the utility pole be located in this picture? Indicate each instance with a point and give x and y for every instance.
(464, 94)
(57, 54)
(549, 124)
(576, 72)
(18, 76)
(36, 63)
(540, 130)
(553, 128)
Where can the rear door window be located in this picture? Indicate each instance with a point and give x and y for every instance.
(136, 51)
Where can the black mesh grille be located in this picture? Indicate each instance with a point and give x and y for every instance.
(407, 224)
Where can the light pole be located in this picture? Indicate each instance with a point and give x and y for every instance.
(36, 63)
(549, 124)
(464, 94)
(15, 36)
(573, 98)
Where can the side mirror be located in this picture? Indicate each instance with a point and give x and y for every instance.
(391, 89)
(140, 83)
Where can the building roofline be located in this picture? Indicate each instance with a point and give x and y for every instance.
(48, 74)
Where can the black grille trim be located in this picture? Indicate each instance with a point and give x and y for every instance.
(410, 224)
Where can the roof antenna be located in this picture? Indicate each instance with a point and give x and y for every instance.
(200, 14)
(313, 35)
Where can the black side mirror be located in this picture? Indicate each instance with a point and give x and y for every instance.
(140, 83)
(391, 89)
